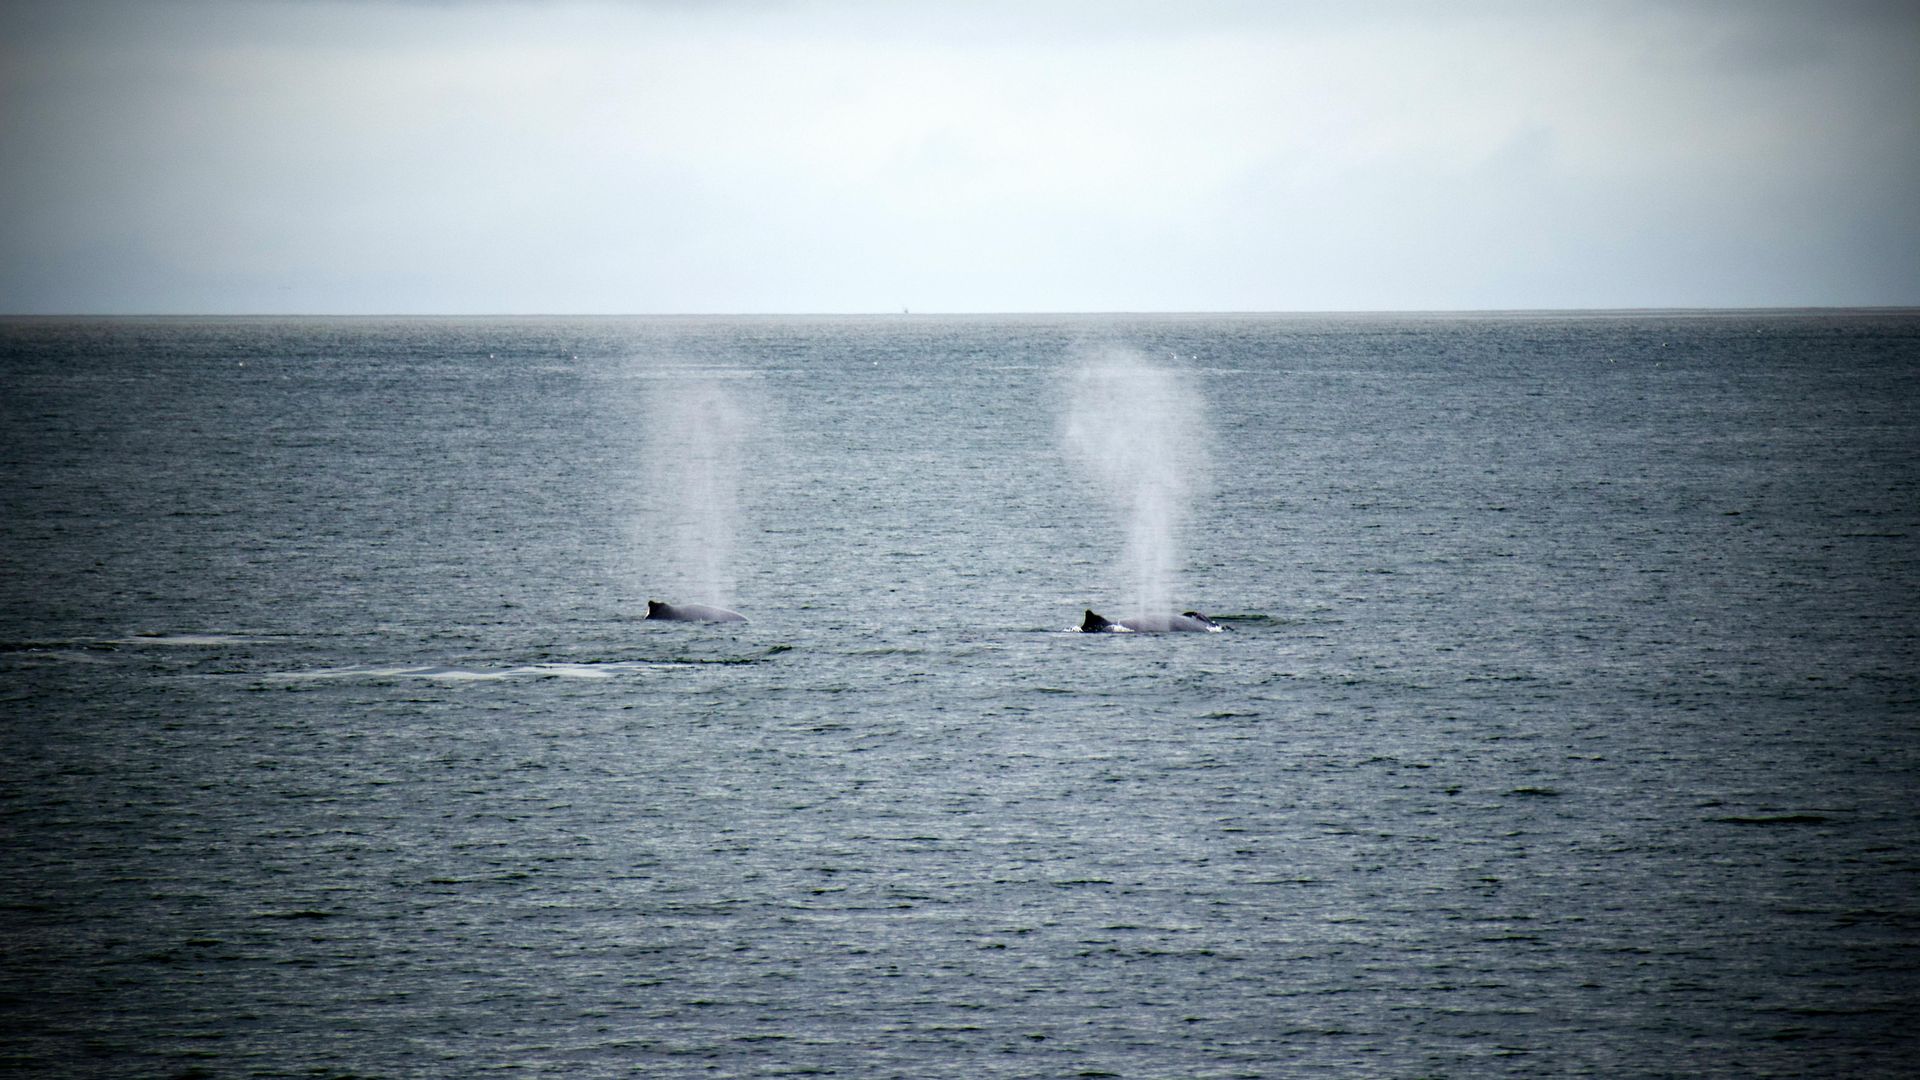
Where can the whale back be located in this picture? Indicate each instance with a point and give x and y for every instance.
(1094, 624)
(691, 613)
(1185, 622)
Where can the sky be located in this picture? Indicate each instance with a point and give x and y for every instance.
(554, 157)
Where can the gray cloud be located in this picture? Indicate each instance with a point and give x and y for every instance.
(519, 156)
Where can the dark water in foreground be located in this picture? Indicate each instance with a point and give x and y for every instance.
(1566, 724)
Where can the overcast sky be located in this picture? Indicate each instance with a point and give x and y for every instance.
(492, 156)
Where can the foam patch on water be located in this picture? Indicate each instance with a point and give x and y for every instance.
(201, 640)
(447, 673)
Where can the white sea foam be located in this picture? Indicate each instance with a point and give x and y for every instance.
(185, 639)
(449, 673)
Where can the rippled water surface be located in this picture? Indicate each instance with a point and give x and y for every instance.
(1565, 723)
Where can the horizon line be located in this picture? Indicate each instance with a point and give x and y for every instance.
(1295, 312)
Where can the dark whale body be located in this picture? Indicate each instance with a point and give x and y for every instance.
(691, 613)
(1185, 622)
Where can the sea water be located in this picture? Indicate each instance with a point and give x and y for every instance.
(1567, 721)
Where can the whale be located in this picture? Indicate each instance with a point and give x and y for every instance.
(691, 613)
(1185, 622)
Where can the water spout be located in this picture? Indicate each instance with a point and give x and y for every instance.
(696, 429)
(1140, 432)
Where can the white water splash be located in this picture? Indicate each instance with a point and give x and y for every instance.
(1139, 430)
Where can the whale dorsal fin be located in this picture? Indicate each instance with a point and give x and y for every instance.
(653, 608)
(1093, 623)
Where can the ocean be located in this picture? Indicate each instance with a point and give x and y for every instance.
(1565, 720)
